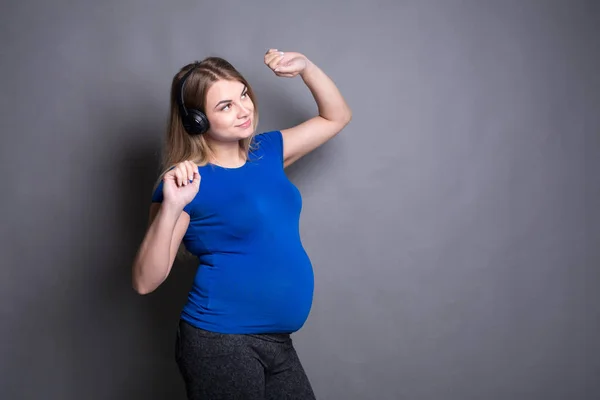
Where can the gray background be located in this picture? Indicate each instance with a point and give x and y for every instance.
(453, 225)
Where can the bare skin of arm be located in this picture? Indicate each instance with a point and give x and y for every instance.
(333, 111)
(167, 225)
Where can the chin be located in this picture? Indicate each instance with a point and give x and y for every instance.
(239, 134)
(232, 136)
(247, 133)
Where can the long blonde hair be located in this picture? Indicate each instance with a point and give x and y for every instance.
(181, 146)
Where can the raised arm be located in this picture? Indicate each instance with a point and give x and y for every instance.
(167, 225)
(334, 112)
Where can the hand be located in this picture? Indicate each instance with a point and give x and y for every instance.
(177, 188)
(287, 64)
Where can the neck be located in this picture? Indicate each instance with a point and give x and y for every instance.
(227, 154)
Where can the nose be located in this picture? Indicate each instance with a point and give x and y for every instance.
(243, 111)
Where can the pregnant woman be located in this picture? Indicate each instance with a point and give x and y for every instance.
(224, 195)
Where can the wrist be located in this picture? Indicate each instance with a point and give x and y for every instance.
(308, 69)
(172, 209)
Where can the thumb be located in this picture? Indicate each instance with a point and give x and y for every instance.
(197, 178)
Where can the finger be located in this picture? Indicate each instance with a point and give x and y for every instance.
(285, 68)
(275, 57)
(186, 174)
(176, 174)
(194, 170)
(286, 75)
(285, 63)
(268, 56)
(196, 179)
(182, 174)
(189, 169)
(276, 63)
(169, 174)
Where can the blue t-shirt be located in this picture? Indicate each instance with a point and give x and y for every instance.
(254, 275)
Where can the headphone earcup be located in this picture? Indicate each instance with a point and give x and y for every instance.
(195, 123)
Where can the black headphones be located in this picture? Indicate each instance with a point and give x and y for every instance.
(194, 121)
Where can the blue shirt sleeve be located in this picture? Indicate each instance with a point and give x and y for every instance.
(157, 195)
(271, 144)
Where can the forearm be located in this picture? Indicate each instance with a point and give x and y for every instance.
(330, 102)
(154, 258)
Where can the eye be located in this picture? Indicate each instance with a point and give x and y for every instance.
(226, 107)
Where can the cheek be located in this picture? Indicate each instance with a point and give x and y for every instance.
(220, 121)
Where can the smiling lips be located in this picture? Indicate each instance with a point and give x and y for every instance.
(245, 124)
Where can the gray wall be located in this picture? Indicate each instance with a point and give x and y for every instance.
(453, 226)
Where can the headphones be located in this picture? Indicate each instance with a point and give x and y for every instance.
(194, 121)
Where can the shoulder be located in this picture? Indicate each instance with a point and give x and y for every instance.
(268, 143)
(269, 138)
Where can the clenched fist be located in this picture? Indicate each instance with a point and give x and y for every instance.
(288, 64)
(181, 184)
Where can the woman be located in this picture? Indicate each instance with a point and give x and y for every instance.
(225, 196)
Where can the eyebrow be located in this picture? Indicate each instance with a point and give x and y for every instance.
(229, 101)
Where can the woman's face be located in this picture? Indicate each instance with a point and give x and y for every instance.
(229, 110)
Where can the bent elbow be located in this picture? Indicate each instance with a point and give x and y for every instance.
(348, 115)
(141, 290)
(346, 118)
(344, 121)
(139, 287)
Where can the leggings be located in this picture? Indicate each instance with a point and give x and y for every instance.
(217, 366)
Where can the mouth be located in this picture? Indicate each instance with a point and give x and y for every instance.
(245, 124)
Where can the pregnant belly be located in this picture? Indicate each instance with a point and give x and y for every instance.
(271, 293)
